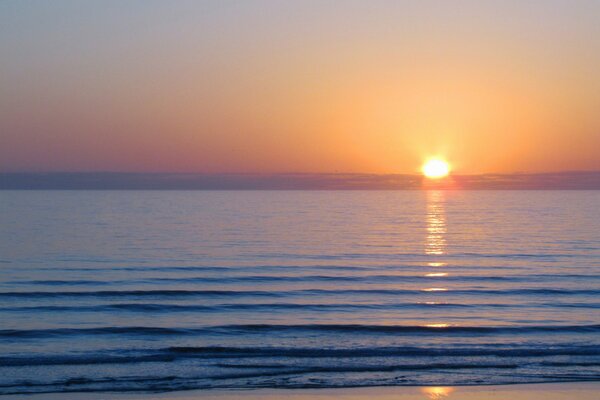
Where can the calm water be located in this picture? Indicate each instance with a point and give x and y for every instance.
(177, 290)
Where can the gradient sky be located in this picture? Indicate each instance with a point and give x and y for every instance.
(299, 86)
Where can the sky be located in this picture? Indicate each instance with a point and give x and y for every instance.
(306, 86)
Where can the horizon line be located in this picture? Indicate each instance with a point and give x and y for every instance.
(563, 180)
(37, 172)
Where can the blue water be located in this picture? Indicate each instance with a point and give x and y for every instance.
(159, 291)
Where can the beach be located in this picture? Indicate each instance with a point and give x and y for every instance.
(547, 391)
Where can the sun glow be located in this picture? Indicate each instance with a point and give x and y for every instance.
(435, 168)
(434, 289)
(437, 325)
(437, 392)
(436, 264)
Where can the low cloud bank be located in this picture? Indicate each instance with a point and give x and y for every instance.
(168, 181)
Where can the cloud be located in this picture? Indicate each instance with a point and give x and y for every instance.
(167, 181)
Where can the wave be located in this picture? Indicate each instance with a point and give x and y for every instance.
(278, 375)
(267, 328)
(60, 282)
(145, 307)
(398, 329)
(141, 293)
(303, 292)
(220, 269)
(364, 368)
(386, 278)
(492, 350)
(126, 356)
(273, 307)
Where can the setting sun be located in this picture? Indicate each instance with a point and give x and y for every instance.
(435, 168)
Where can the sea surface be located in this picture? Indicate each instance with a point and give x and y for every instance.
(171, 290)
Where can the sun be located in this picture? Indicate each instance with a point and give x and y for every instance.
(435, 168)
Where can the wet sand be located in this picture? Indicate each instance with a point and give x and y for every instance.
(551, 391)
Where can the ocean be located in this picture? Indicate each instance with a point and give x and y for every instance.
(176, 290)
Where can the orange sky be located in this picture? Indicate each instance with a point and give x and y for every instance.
(268, 86)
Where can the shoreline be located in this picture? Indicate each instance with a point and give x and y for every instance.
(527, 391)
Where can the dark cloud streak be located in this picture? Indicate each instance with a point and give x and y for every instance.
(168, 181)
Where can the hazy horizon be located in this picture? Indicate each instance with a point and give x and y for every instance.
(571, 180)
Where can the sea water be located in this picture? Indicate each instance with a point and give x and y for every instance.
(171, 290)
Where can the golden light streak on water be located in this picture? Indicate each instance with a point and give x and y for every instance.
(437, 264)
(441, 325)
(435, 245)
(435, 218)
(437, 392)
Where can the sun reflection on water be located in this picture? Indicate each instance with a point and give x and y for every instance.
(435, 243)
(436, 264)
(437, 325)
(435, 246)
(437, 392)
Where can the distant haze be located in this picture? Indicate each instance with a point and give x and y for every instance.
(270, 87)
(166, 181)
